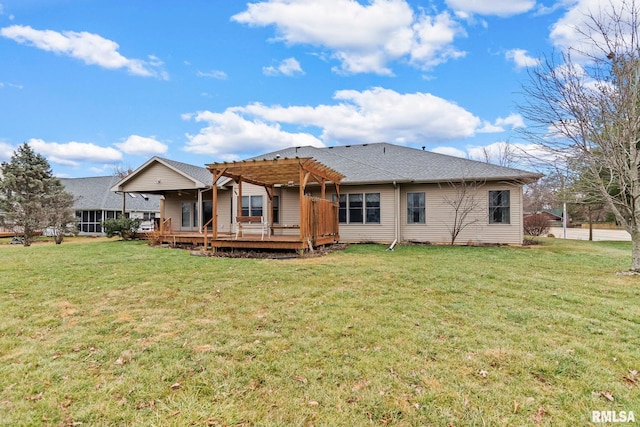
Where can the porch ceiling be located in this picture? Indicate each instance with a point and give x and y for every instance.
(276, 171)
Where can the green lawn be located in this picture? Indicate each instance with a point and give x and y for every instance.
(120, 333)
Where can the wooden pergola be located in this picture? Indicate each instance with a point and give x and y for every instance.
(287, 172)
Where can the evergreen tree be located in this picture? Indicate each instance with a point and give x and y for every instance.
(32, 199)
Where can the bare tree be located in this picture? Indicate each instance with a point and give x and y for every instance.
(500, 153)
(463, 202)
(585, 103)
(61, 216)
(535, 225)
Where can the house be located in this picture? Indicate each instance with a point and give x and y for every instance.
(355, 193)
(184, 191)
(553, 216)
(94, 202)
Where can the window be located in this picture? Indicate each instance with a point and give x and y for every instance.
(415, 208)
(342, 209)
(372, 208)
(186, 214)
(359, 208)
(276, 210)
(499, 207)
(189, 214)
(89, 221)
(207, 213)
(251, 205)
(355, 209)
(195, 214)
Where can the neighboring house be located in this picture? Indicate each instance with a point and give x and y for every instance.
(554, 216)
(94, 202)
(383, 193)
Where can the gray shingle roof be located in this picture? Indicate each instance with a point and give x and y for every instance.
(384, 162)
(94, 194)
(195, 172)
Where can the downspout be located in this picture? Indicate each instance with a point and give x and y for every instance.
(200, 211)
(396, 196)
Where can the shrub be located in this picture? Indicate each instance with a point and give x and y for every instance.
(126, 228)
(536, 225)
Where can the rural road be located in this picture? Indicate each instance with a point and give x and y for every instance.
(583, 234)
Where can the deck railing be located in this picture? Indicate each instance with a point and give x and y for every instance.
(321, 219)
(165, 226)
(205, 231)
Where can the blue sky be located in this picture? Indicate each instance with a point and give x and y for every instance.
(101, 85)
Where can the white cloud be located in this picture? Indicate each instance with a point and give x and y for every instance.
(288, 67)
(91, 48)
(520, 155)
(492, 152)
(450, 151)
(142, 146)
(434, 40)
(565, 35)
(364, 38)
(6, 151)
(11, 85)
(490, 128)
(214, 74)
(73, 153)
(372, 115)
(512, 120)
(377, 115)
(229, 135)
(492, 7)
(521, 58)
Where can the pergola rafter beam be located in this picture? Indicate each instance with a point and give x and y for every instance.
(276, 171)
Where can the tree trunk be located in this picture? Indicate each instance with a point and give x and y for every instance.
(635, 249)
(590, 224)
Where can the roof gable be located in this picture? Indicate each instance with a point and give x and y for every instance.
(158, 175)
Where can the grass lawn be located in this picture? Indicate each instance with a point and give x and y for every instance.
(107, 333)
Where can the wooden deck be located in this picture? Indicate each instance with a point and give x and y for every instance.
(248, 241)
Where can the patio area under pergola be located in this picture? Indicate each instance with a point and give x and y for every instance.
(318, 217)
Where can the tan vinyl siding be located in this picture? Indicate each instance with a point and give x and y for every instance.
(224, 211)
(289, 210)
(439, 216)
(158, 177)
(173, 209)
(251, 190)
(384, 232)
